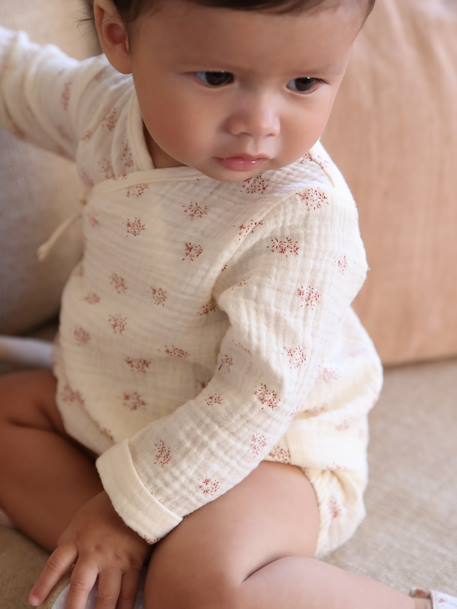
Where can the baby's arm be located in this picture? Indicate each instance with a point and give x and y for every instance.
(284, 295)
(42, 92)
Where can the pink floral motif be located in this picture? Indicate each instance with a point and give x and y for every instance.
(65, 98)
(71, 396)
(93, 220)
(195, 210)
(81, 336)
(92, 298)
(208, 308)
(258, 443)
(314, 158)
(192, 251)
(226, 362)
(209, 487)
(314, 198)
(126, 156)
(137, 190)
(138, 364)
(159, 296)
(162, 454)
(342, 264)
(267, 397)
(335, 508)
(118, 323)
(297, 356)
(328, 375)
(88, 134)
(246, 229)
(344, 425)
(240, 345)
(107, 169)
(176, 352)
(110, 119)
(118, 283)
(255, 185)
(133, 400)
(284, 246)
(280, 454)
(214, 399)
(135, 227)
(310, 297)
(87, 181)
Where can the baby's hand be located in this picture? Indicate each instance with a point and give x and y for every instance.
(98, 544)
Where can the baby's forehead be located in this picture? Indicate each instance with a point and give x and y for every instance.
(310, 39)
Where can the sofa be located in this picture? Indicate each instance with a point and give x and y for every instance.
(394, 135)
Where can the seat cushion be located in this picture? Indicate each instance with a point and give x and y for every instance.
(409, 537)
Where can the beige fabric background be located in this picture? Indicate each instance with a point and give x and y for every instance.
(394, 135)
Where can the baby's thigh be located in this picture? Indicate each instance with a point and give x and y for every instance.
(270, 514)
(28, 399)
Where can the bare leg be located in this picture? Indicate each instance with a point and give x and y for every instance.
(298, 581)
(255, 546)
(45, 475)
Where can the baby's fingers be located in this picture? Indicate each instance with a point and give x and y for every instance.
(82, 581)
(129, 590)
(56, 566)
(108, 588)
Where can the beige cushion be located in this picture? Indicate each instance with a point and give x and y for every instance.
(394, 135)
(409, 537)
(38, 189)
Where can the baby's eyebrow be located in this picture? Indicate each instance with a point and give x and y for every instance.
(227, 66)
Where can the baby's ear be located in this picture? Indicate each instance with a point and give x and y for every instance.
(113, 35)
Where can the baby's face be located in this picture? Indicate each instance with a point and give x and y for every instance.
(219, 88)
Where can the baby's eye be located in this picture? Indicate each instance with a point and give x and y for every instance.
(304, 84)
(215, 79)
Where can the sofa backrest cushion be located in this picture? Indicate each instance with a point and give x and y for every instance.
(394, 135)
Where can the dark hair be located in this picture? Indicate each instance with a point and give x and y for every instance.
(129, 10)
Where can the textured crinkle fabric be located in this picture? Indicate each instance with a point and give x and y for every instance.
(209, 325)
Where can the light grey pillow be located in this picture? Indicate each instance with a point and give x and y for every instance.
(38, 190)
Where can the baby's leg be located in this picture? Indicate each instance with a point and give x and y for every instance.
(254, 547)
(45, 476)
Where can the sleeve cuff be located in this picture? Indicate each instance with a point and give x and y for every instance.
(130, 498)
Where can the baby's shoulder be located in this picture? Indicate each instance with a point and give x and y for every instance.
(314, 179)
(103, 150)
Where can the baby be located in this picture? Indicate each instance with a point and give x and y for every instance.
(206, 415)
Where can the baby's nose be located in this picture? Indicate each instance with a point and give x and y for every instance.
(258, 118)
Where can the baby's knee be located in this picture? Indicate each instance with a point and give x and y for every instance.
(186, 586)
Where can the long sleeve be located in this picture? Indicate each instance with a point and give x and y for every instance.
(46, 97)
(284, 293)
